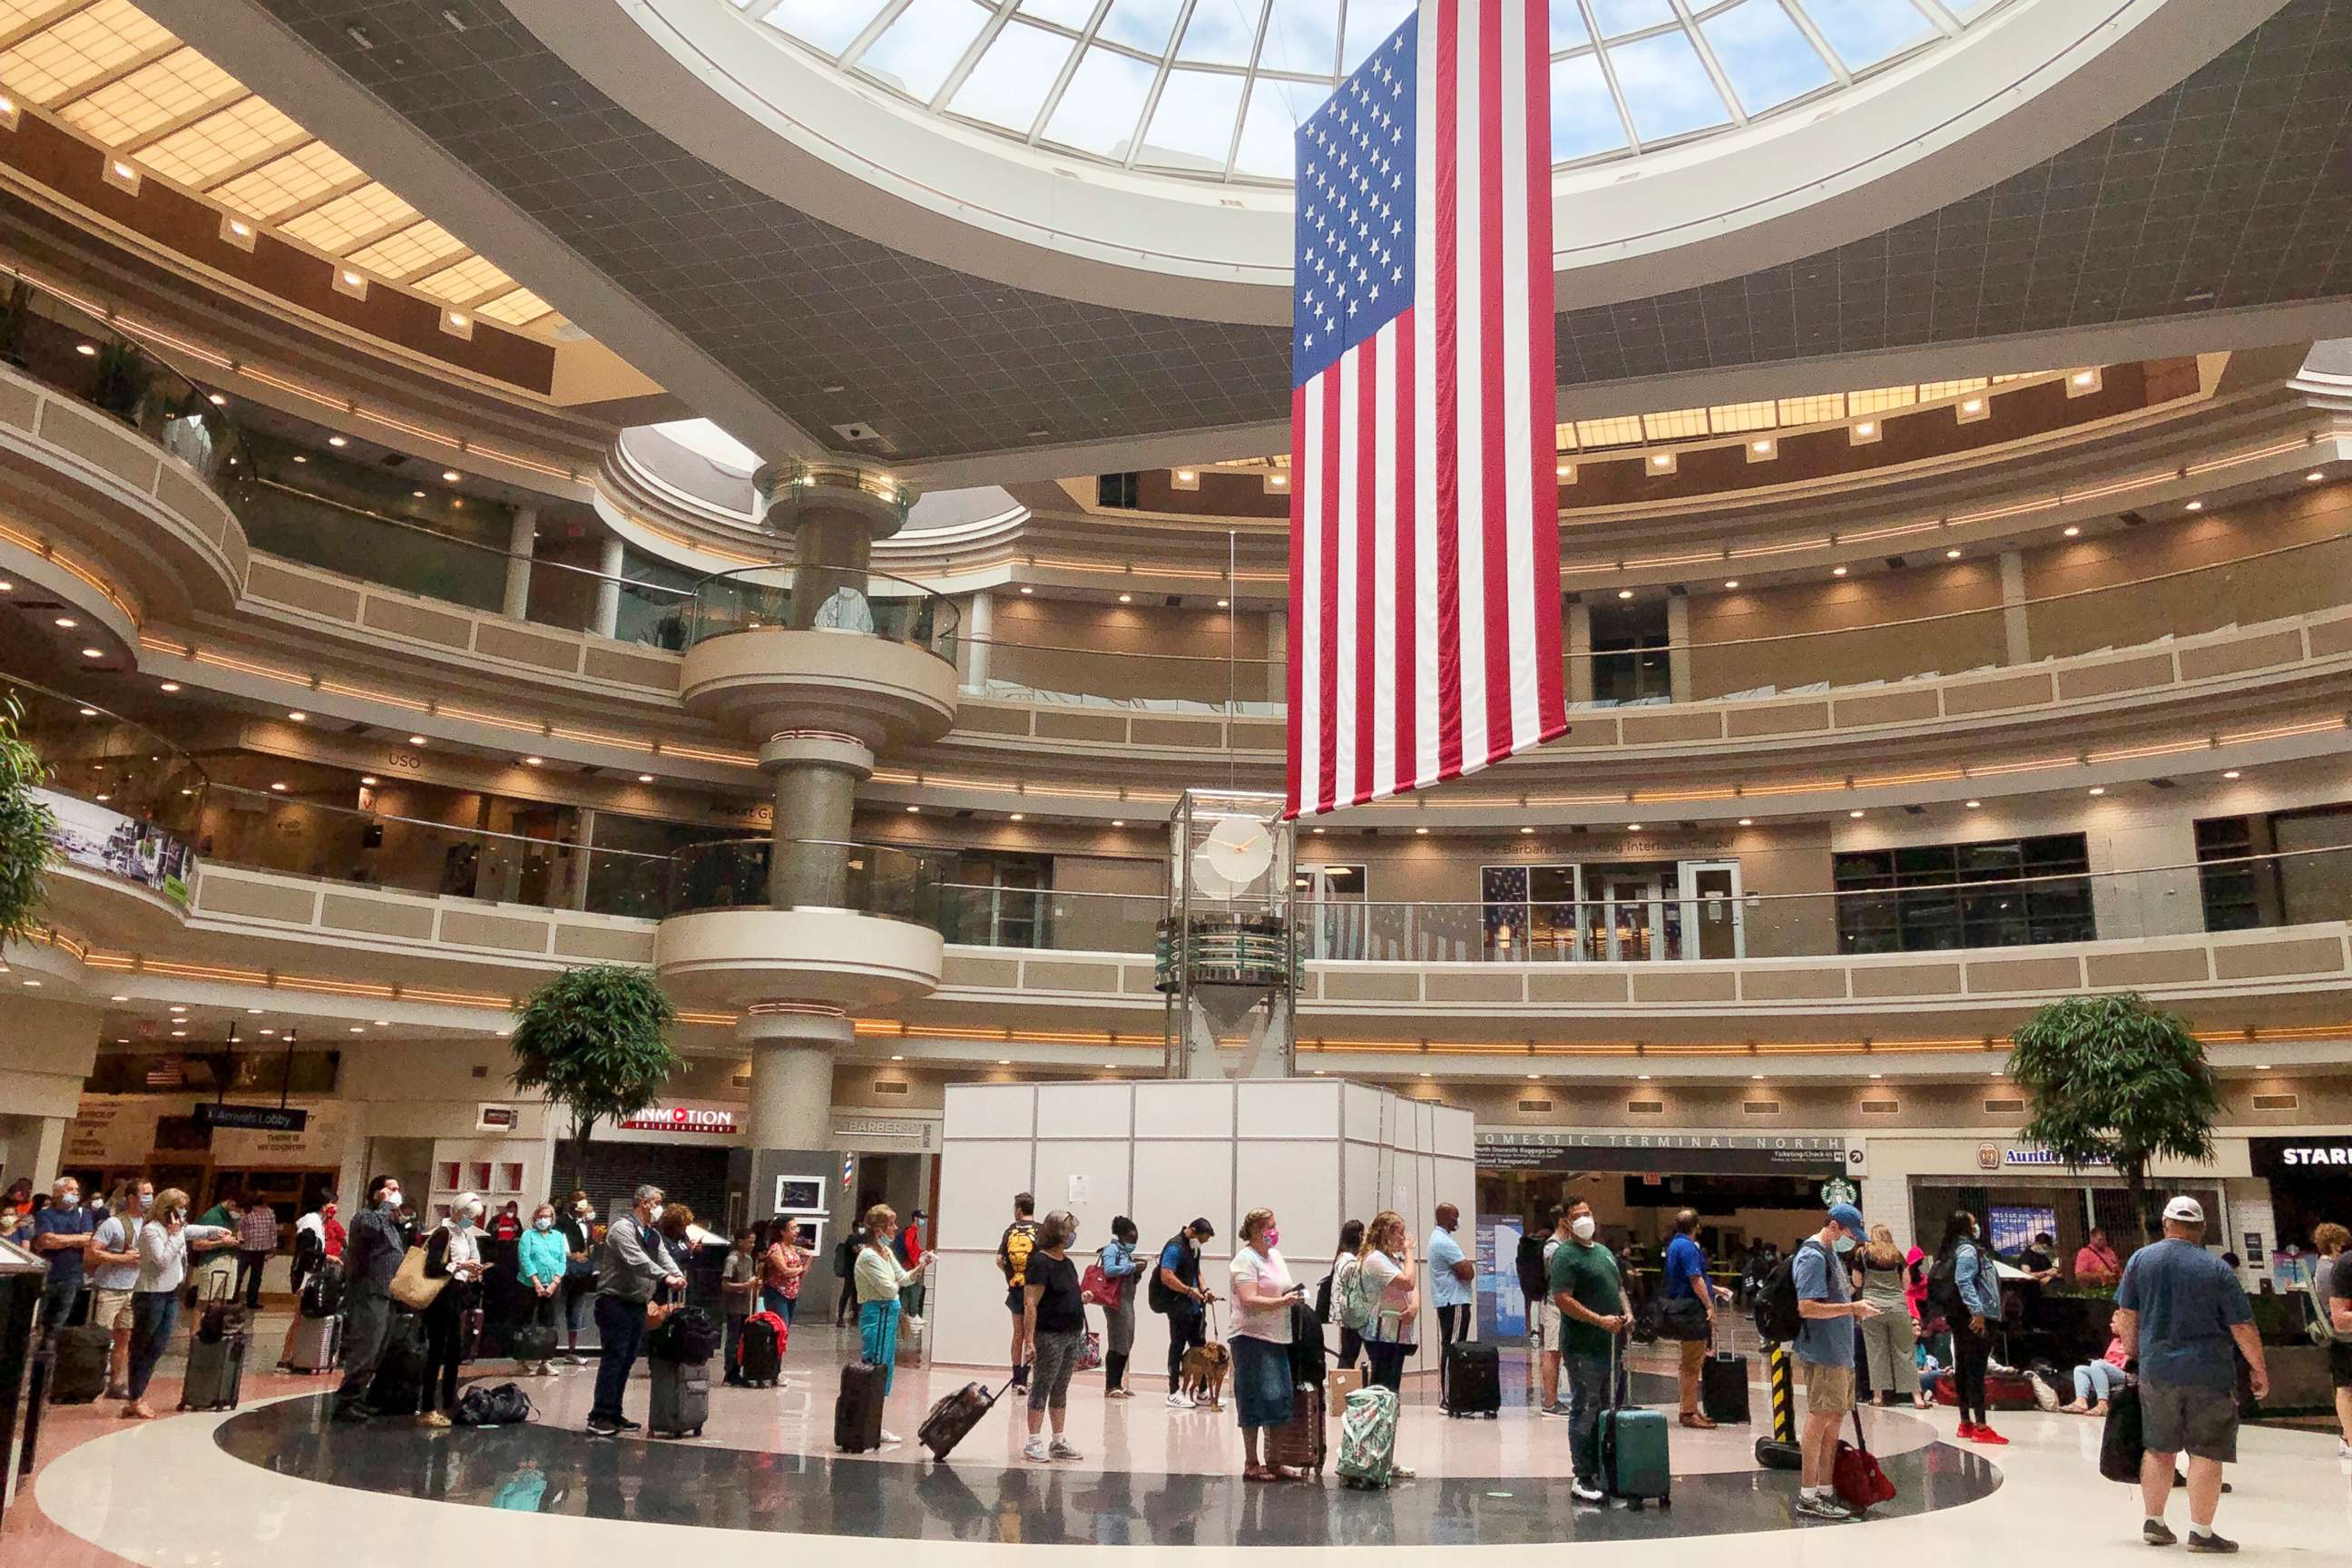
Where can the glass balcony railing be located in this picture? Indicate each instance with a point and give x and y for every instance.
(808, 873)
(816, 598)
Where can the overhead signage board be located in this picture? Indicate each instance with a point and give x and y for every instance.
(252, 1117)
(709, 1119)
(2327, 1154)
(1670, 1153)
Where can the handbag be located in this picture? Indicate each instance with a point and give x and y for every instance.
(1096, 1288)
(1091, 1355)
(1856, 1474)
(411, 1287)
(505, 1406)
(2121, 1444)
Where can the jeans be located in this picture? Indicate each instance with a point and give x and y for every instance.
(2096, 1383)
(877, 1339)
(1388, 1364)
(774, 1300)
(57, 1301)
(248, 1276)
(579, 1296)
(367, 1322)
(1969, 1352)
(621, 1331)
(910, 1299)
(1185, 1329)
(1587, 1375)
(153, 1315)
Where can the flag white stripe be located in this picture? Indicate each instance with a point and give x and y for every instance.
(1517, 435)
(1470, 331)
(1424, 765)
(1384, 533)
(1342, 573)
(1306, 473)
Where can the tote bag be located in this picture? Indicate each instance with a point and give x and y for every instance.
(411, 1287)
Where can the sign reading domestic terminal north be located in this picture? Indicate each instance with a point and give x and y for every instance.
(1679, 1154)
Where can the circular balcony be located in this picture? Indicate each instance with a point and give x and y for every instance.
(858, 653)
(819, 921)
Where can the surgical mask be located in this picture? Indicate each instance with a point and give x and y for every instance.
(464, 1222)
(543, 1223)
(70, 1201)
(1273, 1236)
(1582, 1227)
(391, 1199)
(1844, 1244)
(655, 1213)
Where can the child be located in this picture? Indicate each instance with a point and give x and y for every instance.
(737, 1285)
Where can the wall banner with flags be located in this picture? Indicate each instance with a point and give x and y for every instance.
(1424, 543)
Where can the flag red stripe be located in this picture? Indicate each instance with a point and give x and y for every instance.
(1449, 456)
(1495, 493)
(1293, 663)
(1408, 601)
(1328, 741)
(1543, 388)
(1368, 480)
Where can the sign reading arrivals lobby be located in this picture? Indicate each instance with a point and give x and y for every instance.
(1675, 1153)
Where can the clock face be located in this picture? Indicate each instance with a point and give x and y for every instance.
(1235, 854)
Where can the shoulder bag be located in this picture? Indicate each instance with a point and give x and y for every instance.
(411, 1286)
(1856, 1473)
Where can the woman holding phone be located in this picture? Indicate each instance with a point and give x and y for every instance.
(1263, 1294)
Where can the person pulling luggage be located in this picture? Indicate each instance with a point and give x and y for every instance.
(1589, 1291)
(1264, 1292)
(879, 1277)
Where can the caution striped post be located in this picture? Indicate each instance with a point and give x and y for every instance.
(1779, 1451)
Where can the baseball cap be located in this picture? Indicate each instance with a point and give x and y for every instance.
(2186, 1209)
(1849, 1217)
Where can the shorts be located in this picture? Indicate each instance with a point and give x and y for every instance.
(1016, 1299)
(1547, 1328)
(1828, 1389)
(2177, 1419)
(2339, 1364)
(110, 1308)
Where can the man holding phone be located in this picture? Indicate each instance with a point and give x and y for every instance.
(1454, 1285)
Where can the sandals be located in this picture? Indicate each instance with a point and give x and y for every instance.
(1259, 1473)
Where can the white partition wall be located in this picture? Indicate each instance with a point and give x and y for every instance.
(1316, 1150)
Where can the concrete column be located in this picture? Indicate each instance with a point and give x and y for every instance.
(2016, 636)
(816, 780)
(584, 858)
(1678, 659)
(1579, 652)
(522, 537)
(792, 1078)
(1277, 655)
(52, 1047)
(608, 588)
(979, 626)
(832, 550)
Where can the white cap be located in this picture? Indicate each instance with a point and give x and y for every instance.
(2185, 1209)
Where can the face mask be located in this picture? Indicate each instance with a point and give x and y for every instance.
(70, 1201)
(1582, 1227)
(392, 1200)
(464, 1222)
(328, 1212)
(655, 1213)
(1844, 1244)
(543, 1223)
(1273, 1235)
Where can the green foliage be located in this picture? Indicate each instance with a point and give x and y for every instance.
(27, 827)
(593, 1040)
(2115, 1081)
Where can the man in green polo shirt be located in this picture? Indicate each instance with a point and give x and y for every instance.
(1591, 1294)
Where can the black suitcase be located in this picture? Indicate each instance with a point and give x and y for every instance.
(216, 1372)
(1723, 1388)
(953, 1417)
(77, 1373)
(398, 1388)
(857, 1408)
(680, 1402)
(1474, 1381)
(759, 1354)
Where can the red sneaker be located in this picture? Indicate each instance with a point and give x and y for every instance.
(1968, 1431)
(1991, 1438)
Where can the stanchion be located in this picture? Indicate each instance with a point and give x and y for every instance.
(1779, 1451)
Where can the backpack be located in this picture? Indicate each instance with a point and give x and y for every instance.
(1156, 1293)
(2318, 1325)
(322, 1294)
(687, 1336)
(1943, 1299)
(1359, 1299)
(1530, 1268)
(1777, 1318)
(1019, 1243)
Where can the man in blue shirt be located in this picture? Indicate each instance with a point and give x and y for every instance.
(2183, 1314)
(61, 1236)
(1686, 1283)
(1825, 1351)
(1454, 1285)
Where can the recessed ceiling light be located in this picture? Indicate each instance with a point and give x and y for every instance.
(460, 320)
(370, 779)
(382, 1023)
(1535, 1075)
(1019, 817)
(416, 495)
(217, 400)
(298, 716)
(279, 788)
(1662, 460)
(1747, 822)
(898, 1059)
(269, 1031)
(350, 277)
(1633, 827)
(89, 712)
(1224, 604)
(531, 762)
(122, 171)
(253, 1012)
(2230, 773)
(2194, 506)
(168, 686)
(1756, 1078)
(1025, 589)
(2313, 477)
(339, 441)
(1837, 571)
(1560, 470)
(1878, 1075)
(117, 998)
(1118, 822)
(1624, 593)
(2084, 377)
(1866, 428)
(1004, 1061)
(2098, 789)
(179, 1034)
(450, 475)
(300, 458)
(1127, 598)
(67, 623)
(1420, 831)
(1952, 555)
(1731, 582)
(179, 1006)
(1526, 829)
(1760, 446)
(1318, 832)
(1974, 804)
(33, 984)
(359, 1029)
(416, 740)
(1973, 406)
(93, 653)
(913, 809)
(1854, 813)
(1644, 1077)
(644, 778)
(85, 349)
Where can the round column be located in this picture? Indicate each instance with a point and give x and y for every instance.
(791, 1073)
(815, 781)
(833, 515)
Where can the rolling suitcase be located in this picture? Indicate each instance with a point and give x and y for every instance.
(1368, 1439)
(533, 1342)
(1474, 1381)
(398, 1387)
(681, 1402)
(318, 1344)
(216, 1372)
(760, 1353)
(857, 1408)
(1299, 1443)
(1723, 1388)
(78, 1374)
(953, 1417)
(1633, 1462)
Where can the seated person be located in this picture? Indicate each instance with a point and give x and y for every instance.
(2095, 1382)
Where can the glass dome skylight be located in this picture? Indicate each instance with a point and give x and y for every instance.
(1213, 89)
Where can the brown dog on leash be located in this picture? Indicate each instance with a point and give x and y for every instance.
(1203, 1380)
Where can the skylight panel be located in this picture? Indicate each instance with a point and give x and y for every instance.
(828, 24)
(1667, 89)
(282, 184)
(1866, 32)
(1140, 24)
(1220, 32)
(1009, 85)
(197, 155)
(1766, 56)
(79, 48)
(1098, 110)
(918, 50)
(355, 218)
(1584, 119)
(1194, 123)
(180, 84)
(1302, 36)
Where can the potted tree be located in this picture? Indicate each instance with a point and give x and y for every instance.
(2115, 1081)
(595, 1040)
(27, 828)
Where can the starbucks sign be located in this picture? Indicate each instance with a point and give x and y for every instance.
(1838, 1190)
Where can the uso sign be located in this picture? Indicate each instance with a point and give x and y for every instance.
(681, 1119)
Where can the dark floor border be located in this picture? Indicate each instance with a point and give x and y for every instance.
(548, 1469)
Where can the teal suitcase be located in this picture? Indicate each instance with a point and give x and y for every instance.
(1633, 1459)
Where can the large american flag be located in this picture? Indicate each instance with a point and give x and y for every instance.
(1425, 546)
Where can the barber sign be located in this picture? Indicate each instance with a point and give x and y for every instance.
(681, 1119)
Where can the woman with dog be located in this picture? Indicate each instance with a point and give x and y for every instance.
(1263, 1294)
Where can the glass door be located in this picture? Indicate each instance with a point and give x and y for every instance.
(1714, 924)
(1335, 895)
(1633, 916)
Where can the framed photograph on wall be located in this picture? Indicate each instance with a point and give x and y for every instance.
(799, 1195)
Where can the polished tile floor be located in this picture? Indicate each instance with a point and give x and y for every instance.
(292, 1491)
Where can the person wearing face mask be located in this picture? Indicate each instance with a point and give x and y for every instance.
(61, 1238)
(452, 1252)
(1979, 1308)
(880, 1280)
(630, 1265)
(1824, 1350)
(113, 1263)
(370, 1257)
(1589, 1288)
(1262, 1293)
(575, 1222)
(162, 1242)
(542, 1258)
(1055, 1319)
